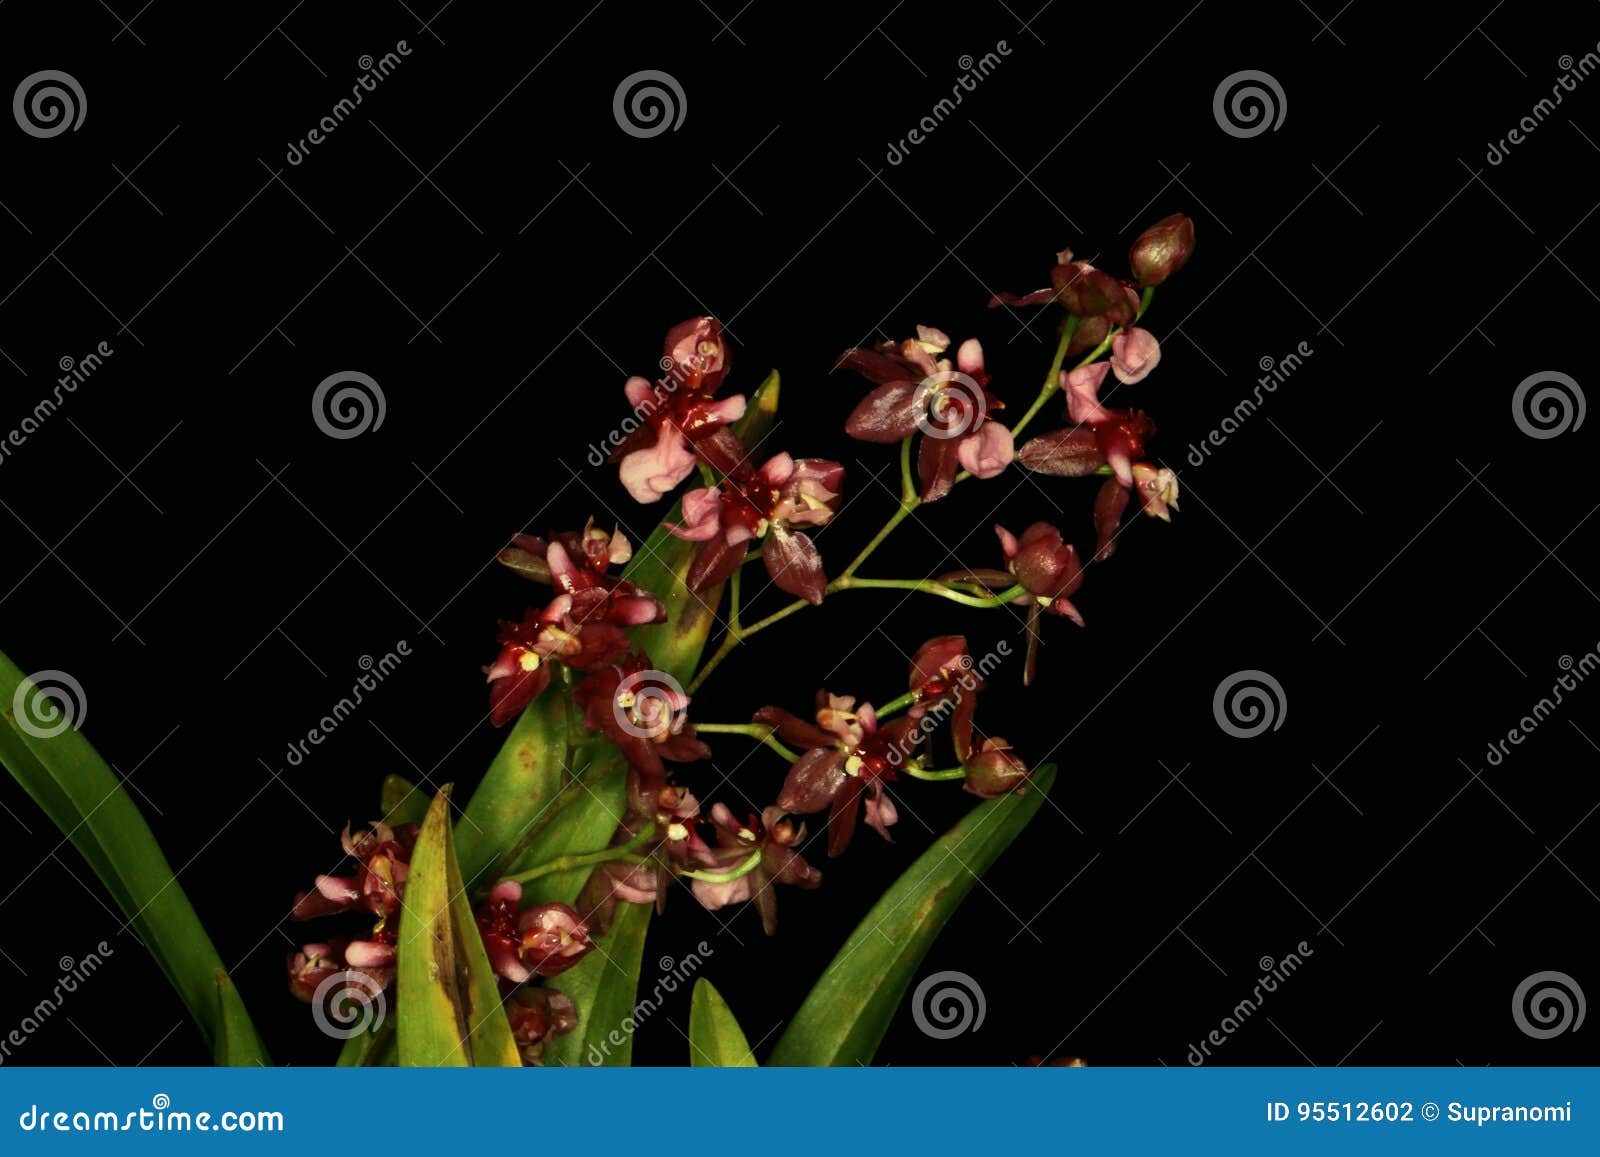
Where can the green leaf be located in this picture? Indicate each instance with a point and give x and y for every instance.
(587, 821)
(375, 1046)
(602, 986)
(447, 999)
(401, 801)
(83, 797)
(237, 1044)
(715, 1038)
(845, 1016)
(529, 772)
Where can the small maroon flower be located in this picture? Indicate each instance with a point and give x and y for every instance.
(682, 417)
(544, 940)
(591, 548)
(769, 505)
(538, 1016)
(1157, 489)
(1048, 568)
(381, 856)
(643, 711)
(918, 389)
(1134, 353)
(941, 671)
(777, 839)
(1093, 296)
(312, 965)
(848, 757)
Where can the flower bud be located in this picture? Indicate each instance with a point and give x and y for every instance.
(1086, 291)
(1161, 250)
(994, 770)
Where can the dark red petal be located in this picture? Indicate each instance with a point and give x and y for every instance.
(814, 780)
(938, 461)
(842, 816)
(1067, 453)
(683, 748)
(508, 696)
(888, 414)
(793, 729)
(872, 365)
(722, 450)
(1037, 297)
(714, 562)
(961, 726)
(1109, 504)
(795, 565)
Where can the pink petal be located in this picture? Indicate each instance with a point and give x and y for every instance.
(1083, 394)
(988, 451)
(654, 471)
(641, 393)
(969, 358)
(701, 511)
(1134, 353)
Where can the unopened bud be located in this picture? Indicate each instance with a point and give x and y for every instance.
(1161, 250)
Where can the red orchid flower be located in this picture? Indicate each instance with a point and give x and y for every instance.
(848, 756)
(776, 838)
(538, 1016)
(768, 506)
(681, 416)
(591, 549)
(917, 389)
(382, 856)
(544, 940)
(644, 712)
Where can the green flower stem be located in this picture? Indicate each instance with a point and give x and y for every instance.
(946, 773)
(895, 706)
(908, 484)
(761, 731)
(931, 587)
(584, 859)
(1052, 380)
(744, 869)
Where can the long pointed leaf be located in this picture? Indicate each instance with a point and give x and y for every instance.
(85, 799)
(602, 986)
(401, 801)
(447, 1000)
(237, 1044)
(845, 1016)
(715, 1038)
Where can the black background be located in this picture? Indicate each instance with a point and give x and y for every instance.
(484, 240)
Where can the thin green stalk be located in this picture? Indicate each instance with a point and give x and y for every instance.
(946, 773)
(759, 731)
(585, 859)
(1052, 380)
(930, 587)
(744, 869)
